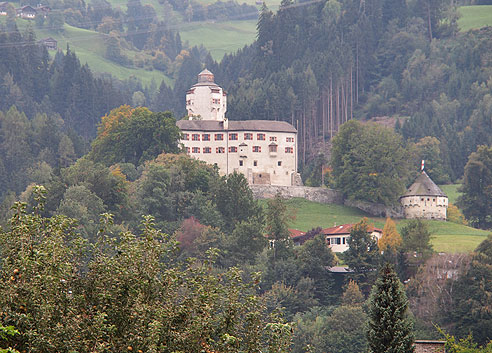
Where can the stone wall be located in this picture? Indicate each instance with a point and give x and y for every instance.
(321, 195)
(326, 196)
(429, 347)
(377, 210)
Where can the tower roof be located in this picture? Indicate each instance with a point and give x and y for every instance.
(205, 76)
(424, 186)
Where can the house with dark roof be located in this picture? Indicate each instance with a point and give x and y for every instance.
(27, 12)
(3, 8)
(336, 236)
(424, 200)
(49, 43)
(265, 151)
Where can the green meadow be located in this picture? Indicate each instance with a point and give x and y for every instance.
(451, 191)
(473, 17)
(90, 49)
(220, 37)
(446, 236)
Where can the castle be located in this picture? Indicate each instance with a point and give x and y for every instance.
(265, 151)
(424, 199)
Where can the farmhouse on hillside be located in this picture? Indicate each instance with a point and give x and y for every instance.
(3, 8)
(424, 199)
(265, 151)
(336, 237)
(27, 12)
(49, 43)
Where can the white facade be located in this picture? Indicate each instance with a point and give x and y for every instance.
(339, 242)
(425, 207)
(264, 151)
(206, 100)
(265, 156)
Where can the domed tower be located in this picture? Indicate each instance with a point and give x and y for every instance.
(205, 100)
(424, 199)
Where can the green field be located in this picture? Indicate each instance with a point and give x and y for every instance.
(473, 17)
(451, 191)
(90, 48)
(446, 236)
(233, 36)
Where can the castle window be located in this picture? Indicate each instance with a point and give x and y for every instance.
(186, 137)
(206, 137)
(195, 137)
(220, 150)
(279, 163)
(260, 137)
(289, 150)
(273, 138)
(256, 148)
(232, 149)
(289, 139)
(215, 101)
(195, 150)
(233, 137)
(188, 150)
(255, 163)
(248, 136)
(207, 150)
(219, 137)
(240, 163)
(273, 148)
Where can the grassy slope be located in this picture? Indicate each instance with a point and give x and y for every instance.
(221, 37)
(90, 48)
(475, 17)
(452, 192)
(446, 236)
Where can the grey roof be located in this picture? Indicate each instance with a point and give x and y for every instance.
(424, 186)
(205, 72)
(246, 125)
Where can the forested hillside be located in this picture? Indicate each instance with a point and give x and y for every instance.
(322, 64)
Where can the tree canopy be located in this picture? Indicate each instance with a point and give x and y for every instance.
(134, 135)
(476, 200)
(369, 163)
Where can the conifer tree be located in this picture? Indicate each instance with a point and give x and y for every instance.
(390, 328)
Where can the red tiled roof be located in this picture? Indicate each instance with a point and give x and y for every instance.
(345, 229)
(294, 233)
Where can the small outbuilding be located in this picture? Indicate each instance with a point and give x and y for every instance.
(49, 43)
(424, 200)
(3, 8)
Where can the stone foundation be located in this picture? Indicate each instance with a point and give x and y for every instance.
(321, 195)
(429, 346)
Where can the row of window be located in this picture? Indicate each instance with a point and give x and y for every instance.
(233, 149)
(336, 241)
(232, 137)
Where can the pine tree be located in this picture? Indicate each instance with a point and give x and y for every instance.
(390, 328)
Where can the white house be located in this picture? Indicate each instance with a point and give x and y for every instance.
(336, 237)
(265, 151)
(424, 199)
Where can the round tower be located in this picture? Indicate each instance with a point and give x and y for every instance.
(424, 199)
(205, 100)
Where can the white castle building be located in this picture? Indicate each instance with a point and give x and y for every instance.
(424, 199)
(265, 151)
